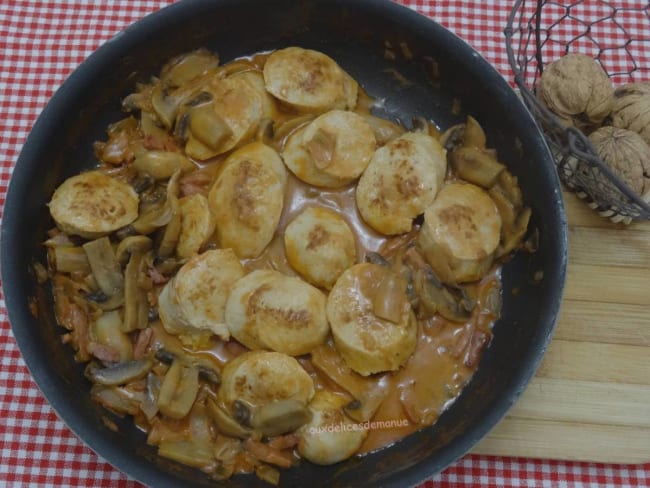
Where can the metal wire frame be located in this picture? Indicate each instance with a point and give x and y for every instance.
(578, 164)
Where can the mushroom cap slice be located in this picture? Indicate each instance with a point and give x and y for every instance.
(93, 204)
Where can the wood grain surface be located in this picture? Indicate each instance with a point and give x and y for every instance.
(590, 398)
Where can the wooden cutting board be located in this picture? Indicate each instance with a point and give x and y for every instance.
(590, 399)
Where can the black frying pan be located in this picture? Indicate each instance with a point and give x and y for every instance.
(354, 33)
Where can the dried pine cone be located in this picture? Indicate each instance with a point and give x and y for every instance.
(577, 89)
(627, 154)
(631, 109)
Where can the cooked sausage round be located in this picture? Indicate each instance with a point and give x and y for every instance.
(460, 233)
(401, 180)
(309, 80)
(319, 245)
(93, 204)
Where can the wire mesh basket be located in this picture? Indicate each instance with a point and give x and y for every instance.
(617, 35)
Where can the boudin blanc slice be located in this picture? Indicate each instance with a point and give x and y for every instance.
(460, 233)
(194, 300)
(319, 245)
(236, 107)
(402, 179)
(247, 199)
(259, 385)
(269, 310)
(368, 342)
(332, 150)
(93, 204)
(309, 80)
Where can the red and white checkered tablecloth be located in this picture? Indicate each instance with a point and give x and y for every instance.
(41, 43)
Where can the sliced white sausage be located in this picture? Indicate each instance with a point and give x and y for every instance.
(332, 150)
(194, 300)
(257, 378)
(460, 233)
(237, 105)
(367, 342)
(269, 310)
(319, 245)
(330, 436)
(309, 80)
(247, 199)
(401, 181)
(93, 204)
(197, 224)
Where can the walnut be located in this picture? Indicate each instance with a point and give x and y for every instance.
(631, 109)
(577, 89)
(627, 154)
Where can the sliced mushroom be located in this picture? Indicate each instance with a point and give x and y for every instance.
(514, 216)
(368, 392)
(119, 374)
(160, 165)
(476, 166)
(285, 129)
(188, 66)
(178, 390)
(330, 436)
(117, 399)
(152, 128)
(161, 211)
(130, 245)
(435, 297)
(385, 130)
(165, 105)
(473, 134)
(136, 306)
(153, 217)
(208, 126)
(225, 423)
(149, 405)
(279, 417)
(105, 267)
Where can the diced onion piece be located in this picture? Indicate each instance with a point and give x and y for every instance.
(107, 330)
(70, 259)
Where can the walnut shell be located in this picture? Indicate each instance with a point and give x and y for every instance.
(577, 89)
(631, 109)
(627, 154)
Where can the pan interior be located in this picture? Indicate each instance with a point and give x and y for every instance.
(434, 75)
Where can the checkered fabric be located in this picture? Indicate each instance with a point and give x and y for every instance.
(41, 43)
